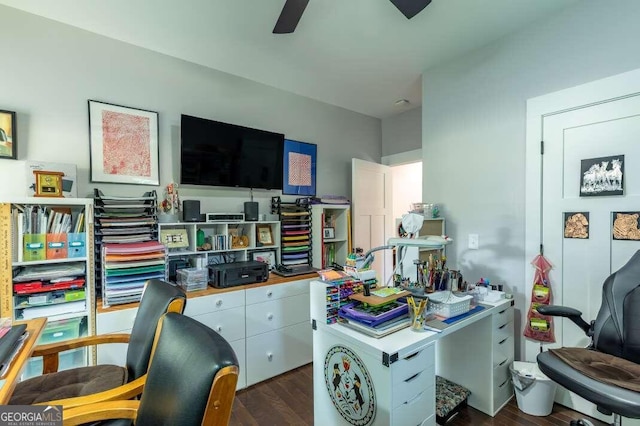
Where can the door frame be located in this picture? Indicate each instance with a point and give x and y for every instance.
(598, 92)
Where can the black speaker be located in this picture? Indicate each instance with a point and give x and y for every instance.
(251, 210)
(191, 210)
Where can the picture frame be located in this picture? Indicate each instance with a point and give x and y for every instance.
(266, 256)
(576, 225)
(123, 144)
(264, 235)
(8, 135)
(328, 233)
(299, 168)
(602, 176)
(624, 226)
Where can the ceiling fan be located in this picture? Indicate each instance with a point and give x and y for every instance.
(293, 9)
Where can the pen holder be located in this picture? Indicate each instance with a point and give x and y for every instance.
(418, 313)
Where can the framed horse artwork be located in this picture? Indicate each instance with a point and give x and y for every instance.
(602, 176)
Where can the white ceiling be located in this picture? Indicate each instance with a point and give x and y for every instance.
(362, 55)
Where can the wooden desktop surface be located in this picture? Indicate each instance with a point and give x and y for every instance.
(8, 382)
(273, 279)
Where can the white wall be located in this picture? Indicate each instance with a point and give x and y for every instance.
(474, 127)
(402, 132)
(50, 70)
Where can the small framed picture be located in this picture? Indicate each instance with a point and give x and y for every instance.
(329, 233)
(264, 235)
(8, 139)
(265, 256)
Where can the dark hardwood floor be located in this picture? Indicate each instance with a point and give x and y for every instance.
(288, 400)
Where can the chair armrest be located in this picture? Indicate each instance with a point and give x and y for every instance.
(124, 392)
(50, 352)
(100, 411)
(562, 311)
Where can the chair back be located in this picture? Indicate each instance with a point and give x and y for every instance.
(159, 297)
(617, 326)
(192, 377)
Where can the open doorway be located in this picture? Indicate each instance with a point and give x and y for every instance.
(407, 187)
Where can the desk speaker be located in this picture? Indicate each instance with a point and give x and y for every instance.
(191, 210)
(250, 211)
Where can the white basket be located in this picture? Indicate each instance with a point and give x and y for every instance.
(446, 304)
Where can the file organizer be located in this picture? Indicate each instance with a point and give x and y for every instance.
(295, 232)
(56, 246)
(76, 244)
(34, 247)
(121, 221)
(126, 267)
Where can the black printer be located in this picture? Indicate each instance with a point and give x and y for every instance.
(225, 275)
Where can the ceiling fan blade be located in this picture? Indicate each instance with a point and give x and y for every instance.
(410, 8)
(290, 16)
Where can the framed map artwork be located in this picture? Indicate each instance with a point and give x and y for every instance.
(124, 144)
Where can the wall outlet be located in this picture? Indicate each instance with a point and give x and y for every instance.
(473, 241)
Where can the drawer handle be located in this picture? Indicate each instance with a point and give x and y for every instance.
(503, 340)
(269, 317)
(502, 326)
(413, 355)
(412, 377)
(219, 329)
(269, 293)
(219, 303)
(504, 383)
(502, 312)
(503, 362)
(270, 356)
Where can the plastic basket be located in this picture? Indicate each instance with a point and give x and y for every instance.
(446, 304)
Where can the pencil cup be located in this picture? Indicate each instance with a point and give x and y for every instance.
(417, 313)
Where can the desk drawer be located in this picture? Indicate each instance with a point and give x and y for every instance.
(501, 393)
(414, 412)
(501, 373)
(214, 302)
(412, 386)
(504, 346)
(505, 332)
(277, 291)
(228, 323)
(275, 314)
(116, 321)
(503, 316)
(413, 363)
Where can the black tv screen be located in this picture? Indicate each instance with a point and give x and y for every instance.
(222, 154)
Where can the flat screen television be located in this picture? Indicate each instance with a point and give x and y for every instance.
(221, 154)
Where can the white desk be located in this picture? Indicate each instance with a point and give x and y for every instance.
(474, 352)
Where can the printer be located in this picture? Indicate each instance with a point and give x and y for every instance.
(224, 275)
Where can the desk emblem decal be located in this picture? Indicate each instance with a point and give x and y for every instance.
(349, 385)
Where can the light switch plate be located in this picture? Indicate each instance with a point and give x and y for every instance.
(473, 241)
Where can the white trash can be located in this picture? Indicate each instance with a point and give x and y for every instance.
(534, 391)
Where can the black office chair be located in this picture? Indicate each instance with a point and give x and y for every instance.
(607, 373)
(83, 385)
(191, 381)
